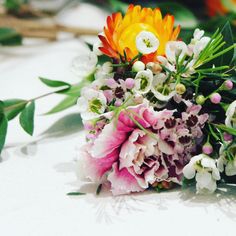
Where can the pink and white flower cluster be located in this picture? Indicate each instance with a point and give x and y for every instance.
(142, 147)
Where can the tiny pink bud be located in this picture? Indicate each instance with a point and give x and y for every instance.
(228, 84)
(228, 137)
(118, 103)
(111, 83)
(88, 126)
(108, 94)
(129, 83)
(215, 98)
(207, 148)
(90, 136)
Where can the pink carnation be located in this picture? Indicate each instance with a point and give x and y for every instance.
(142, 147)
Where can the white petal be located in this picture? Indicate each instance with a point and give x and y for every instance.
(82, 104)
(230, 168)
(174, 49)
(189, 171)
(203, 179)
(147, 42)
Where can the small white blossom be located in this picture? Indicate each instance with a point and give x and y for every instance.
(200, 46)
(104, 71)
(176, 49)
(224, 163)
(164, 62)
(143, 81)
(206, 172)
(198, 34)
(85, 64)
(147, 42)
(198, 43)
(230, 120)
(91, 104)
(161, 91)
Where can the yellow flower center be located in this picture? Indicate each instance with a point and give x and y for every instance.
(128, 36)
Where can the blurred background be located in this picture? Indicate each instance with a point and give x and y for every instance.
(50, 19)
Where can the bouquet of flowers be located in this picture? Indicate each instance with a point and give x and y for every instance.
(159, 112)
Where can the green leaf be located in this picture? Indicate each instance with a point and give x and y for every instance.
(13, 107)
(75, 90)
(27, 118)
(227, 58)
(90, 46)
(3, 130)
(75, 194)
(99, 189)
(13, 5)
(9, 36)
(1, 107)
(63, 105)
(118, 6)
(54, 83)
(226, 129)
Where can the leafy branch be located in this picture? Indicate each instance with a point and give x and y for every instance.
(25, 109)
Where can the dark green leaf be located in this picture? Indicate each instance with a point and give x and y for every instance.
(9, 37)
(3, 130)
(99, 188)
(13, 107)
(54, 83)
(75, 194)
(226, 129)
(63, 105)
(226, 58)
(1, 106)
(118, 6)
(90, 46)
(27, 118)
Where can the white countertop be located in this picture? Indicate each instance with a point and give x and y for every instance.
(37, 172)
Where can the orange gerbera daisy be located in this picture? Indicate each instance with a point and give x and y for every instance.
(120, 33)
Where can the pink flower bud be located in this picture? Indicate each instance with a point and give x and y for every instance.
(88, 126)
(207, 148)
(228, 137)
(111, 83)
(108, 94)
(129, 83)
(215, 98)
(118, 103)
(228, 84)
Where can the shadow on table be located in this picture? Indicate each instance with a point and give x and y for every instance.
(64, 127)
(110, 208)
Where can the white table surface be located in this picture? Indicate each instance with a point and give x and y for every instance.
(37, 172)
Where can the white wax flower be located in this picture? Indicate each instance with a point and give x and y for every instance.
(85, 64)
(230, 120)
(176, 49)
(224, 163)
(147, 42)
(91, 104)
(204, 169)
(143, 81)
(162, 92)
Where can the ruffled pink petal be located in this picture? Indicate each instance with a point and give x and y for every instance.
(95, 168)
(107, 141)
(130, 149)
(122, 182)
